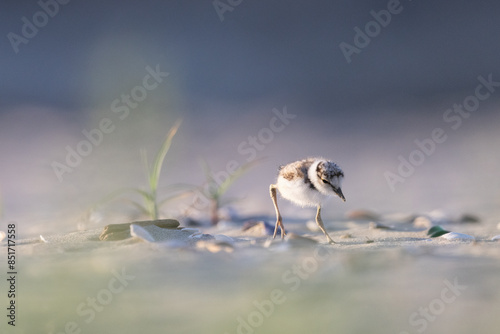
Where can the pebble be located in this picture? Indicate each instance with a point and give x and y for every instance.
(113, 236)
(224, 238)
(122, 231)
(495, 238)
(259, 229)
(436, 231)
(469, 218)
(422, 221)
(399, 217)
(2, 235)
(374, 225)
(457, 236)
(362, 215)
(215, 246)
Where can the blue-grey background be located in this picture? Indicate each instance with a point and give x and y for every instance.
(225, 79)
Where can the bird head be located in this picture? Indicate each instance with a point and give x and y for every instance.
(329, 178)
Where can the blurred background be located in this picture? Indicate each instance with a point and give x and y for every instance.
(65, 68)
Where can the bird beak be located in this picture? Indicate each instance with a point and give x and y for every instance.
(338, 191)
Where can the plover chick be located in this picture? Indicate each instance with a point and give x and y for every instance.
(307, 182)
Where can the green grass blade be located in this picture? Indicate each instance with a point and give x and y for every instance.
(210, 181)
(145, 163)
(207, 171)
(154, 176)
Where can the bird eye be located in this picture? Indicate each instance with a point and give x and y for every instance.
(324, 181)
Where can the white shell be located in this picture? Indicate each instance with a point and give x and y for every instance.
(495, 238)
(422, 221)
(192, 230)
(141, 233)
(224, 238)
(457, 236)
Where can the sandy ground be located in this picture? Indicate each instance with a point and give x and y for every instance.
(377, 281)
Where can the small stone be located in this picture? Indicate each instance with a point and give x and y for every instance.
(249, 224)
(114, 236)
(495, 238)
(113, 232)
(346, 236)
(436, 231)
(259, 229)
(162, 223)
(215, 246)
(422, 221)
(399, 217)
(43, 239)
(457, 236)
(224, 238)
(374, 225)
(2, 235)
(469, 218)
(362, 215)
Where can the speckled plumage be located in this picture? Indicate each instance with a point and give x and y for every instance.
(308, 182)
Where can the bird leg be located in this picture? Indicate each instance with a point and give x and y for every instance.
(279, 221)
(319, 221)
